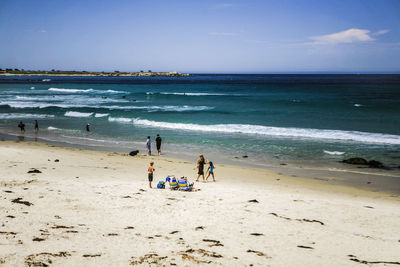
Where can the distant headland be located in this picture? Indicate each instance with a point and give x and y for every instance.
(116, 73)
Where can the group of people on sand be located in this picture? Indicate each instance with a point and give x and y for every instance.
(171, 178)
(158, 145)
(200, 167)
(21, 125)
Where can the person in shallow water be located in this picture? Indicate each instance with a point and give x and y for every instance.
(36, 126)
(158, 143)
(88, 127)
(200, 166)
(148, 145)
(21, 125)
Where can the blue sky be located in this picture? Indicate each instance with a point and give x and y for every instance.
(242, 36)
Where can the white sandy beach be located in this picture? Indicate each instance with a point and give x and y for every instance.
(94, 208)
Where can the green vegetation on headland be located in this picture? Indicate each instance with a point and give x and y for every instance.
(116, 73)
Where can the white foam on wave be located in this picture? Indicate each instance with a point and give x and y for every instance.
(336, 153)
(90, 90)
(162, 108)
(20, 104)
(189, 94)
(116, 92)
(26, 104)
(358, 105)
(70, 90)
(6, 116)
(121, 120)
(52, 128)
(100, 115)
(277, 131)
(33, 88)
(94, 103)
(78, 114)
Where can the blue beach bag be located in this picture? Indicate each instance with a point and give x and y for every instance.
(161, 185)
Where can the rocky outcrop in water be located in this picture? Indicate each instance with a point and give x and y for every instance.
(362, 161)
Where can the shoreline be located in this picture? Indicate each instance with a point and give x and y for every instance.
(332, 173)
(94, 208)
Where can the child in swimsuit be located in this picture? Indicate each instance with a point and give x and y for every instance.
(211, 171)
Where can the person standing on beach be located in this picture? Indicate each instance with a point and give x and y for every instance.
(150, 171)
(211, 171)
(88, 127)
(158, 143)
(148, 145)
(200, 166)
(36, 126)
(21, 125)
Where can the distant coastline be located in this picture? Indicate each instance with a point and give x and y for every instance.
(16, 72)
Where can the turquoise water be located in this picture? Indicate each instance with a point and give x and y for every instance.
(266, 117)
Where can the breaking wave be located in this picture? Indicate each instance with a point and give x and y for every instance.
(100, 115)
(276, 131)
(78, 114)
(90, 90)
(336, 153)
(80, 104)
(6, 116)
(190, 94)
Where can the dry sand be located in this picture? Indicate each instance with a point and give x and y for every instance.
(93, 208)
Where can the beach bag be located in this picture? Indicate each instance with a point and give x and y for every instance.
(161, 185)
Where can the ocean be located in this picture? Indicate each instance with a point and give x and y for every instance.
(259, 120)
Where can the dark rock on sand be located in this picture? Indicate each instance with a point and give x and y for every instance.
(356, 161)
(256, 234)
(354, 258)
(245, 156)
(20, 201)
(375, 164)
(62, 227)
(300, 246)
(361, 161)
(91, 255)
(34, 171)
(258, 253)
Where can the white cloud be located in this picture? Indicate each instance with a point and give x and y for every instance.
(223, 33)
(43, 31)
(381, 32)
(348, 36)
(222, 6)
